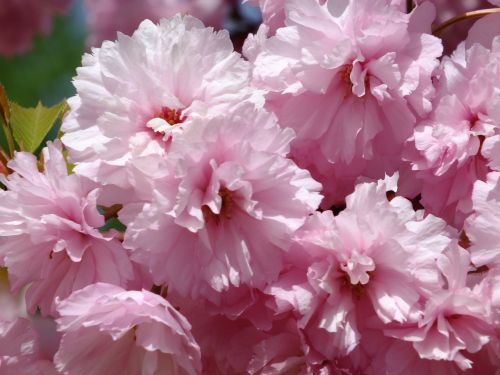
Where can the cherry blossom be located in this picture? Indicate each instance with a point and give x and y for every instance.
(326, 204)
(107, 329)
(229, 180)
(135, 94)
(351, 78)
(449, 154)
(49, 233)
(455, 319)
(375, 259)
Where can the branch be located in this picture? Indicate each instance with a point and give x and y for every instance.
(469, 15)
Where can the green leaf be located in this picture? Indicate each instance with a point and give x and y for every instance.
(31, 125)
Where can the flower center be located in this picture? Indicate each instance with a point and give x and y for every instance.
(345, 74)
(226, 207)
(164, 122)
(357, 290)
(353, 86)
(133, 331)
(172, 116)
(473, 120)
(358, 267)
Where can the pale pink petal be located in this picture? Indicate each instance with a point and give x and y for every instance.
(50, 232)
(107, 329)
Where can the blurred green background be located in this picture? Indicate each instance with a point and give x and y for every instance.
(45, 72)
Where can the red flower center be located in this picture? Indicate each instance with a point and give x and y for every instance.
(225, 209)
(345, 74)
(171, 115)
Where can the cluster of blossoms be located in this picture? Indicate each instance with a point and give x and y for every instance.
(327, 203)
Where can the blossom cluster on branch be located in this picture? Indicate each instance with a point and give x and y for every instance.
(326, 202)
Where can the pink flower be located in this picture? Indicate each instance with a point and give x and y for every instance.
(225, 214)
(375, 259)
(107, 17)
(21, 20)
(49, 232)
(135, 94)
(351, 77)
(110, 330)
(449, 145)
(455, 319)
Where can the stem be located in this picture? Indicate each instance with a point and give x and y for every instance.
(5, 120)
(8, 136)
(468, 15)
(4, 159)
